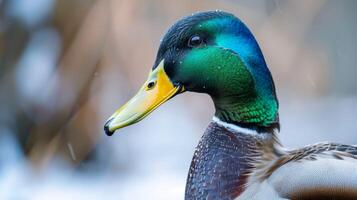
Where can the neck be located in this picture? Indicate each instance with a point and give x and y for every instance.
(257, 112)
(222, 160)
(260, 133)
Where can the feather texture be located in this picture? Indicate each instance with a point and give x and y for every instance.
(319, 171)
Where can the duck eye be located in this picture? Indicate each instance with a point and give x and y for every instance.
(151, 85)
(195, 41)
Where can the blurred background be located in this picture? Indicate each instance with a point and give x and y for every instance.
(67, 65)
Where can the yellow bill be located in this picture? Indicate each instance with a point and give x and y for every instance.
(156, 90)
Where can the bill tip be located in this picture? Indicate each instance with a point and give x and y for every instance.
(106, 128)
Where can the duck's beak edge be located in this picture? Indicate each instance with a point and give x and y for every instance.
(155, 91)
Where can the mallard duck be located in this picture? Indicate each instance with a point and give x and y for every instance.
(239, 155)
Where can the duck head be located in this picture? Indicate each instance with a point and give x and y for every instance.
(207, 52)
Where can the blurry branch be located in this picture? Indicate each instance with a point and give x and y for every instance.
(68, 88)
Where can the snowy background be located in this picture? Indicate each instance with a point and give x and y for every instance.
(67, 65)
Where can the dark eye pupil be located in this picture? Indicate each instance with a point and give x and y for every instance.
(195, 41)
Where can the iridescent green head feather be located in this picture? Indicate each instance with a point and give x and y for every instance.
(227, 64)
(215, 53)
